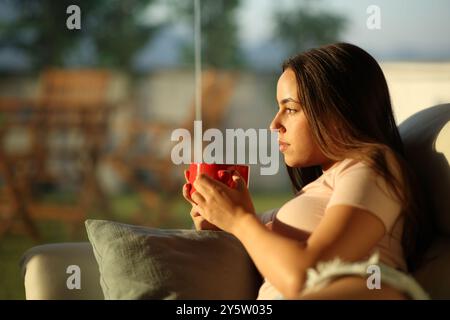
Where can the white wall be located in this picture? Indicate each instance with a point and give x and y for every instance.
(416, 86)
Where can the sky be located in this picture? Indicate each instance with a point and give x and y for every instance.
(417, 29)
(410, 30)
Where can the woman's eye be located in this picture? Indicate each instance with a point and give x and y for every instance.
(290, 111)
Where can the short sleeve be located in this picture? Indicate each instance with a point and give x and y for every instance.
(356, 184)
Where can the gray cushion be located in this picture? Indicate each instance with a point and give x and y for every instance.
(144, 263)
(433, 276)
(426, 136)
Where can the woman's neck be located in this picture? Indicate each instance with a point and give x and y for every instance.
(328, 165)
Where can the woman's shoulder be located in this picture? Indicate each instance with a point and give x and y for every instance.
(357, 165)
(346, 165)
(354, 173)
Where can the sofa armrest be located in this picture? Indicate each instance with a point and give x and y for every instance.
(48, 275)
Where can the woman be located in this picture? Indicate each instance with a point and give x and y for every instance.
(356, 200)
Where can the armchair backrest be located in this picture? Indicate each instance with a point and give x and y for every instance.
(426, 136)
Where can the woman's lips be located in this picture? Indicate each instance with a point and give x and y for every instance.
(283, 146)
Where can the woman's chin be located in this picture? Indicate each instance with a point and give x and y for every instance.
(293, 163)
(296, 162)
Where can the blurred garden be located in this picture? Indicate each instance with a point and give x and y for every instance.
(86, 113)
(90, 95)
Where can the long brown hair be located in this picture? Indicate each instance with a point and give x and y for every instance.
(345, 97)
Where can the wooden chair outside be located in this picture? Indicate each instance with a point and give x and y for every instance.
(14, 166)
(71, 103)
(217, 89)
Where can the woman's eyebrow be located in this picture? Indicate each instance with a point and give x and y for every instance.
(286, 100)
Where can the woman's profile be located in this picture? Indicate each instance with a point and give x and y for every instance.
(356, 204)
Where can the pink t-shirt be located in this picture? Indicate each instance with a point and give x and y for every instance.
(347, 182)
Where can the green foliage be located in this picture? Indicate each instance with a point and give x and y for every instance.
(112, 26)
(113, 31)
(306, 26)
(117, 32)
(220, 43)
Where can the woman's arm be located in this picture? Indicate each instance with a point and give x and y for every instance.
(346, 232)
(199, 223)
(281, 260)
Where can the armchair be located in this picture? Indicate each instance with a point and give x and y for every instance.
(426, 136)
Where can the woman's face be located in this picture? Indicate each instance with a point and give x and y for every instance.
(294, 134)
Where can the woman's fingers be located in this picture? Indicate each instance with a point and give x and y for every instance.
(186, 190)
(186, 175)
(200, 222)
(238, 181)
(203, 224)
(186, 193)
(233, 179)
(224, 176)
(194, 213)
(206, 185)
(197, 198)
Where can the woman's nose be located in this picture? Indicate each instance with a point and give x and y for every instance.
(275, 124)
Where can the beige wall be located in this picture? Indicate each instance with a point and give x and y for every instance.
(416, 86)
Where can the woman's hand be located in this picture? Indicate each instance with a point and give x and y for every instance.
(221, 205)
(200, 223)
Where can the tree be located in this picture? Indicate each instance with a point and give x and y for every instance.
(220, 43)
(38, 27)
(306, 26)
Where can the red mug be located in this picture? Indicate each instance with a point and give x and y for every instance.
(215, 170)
